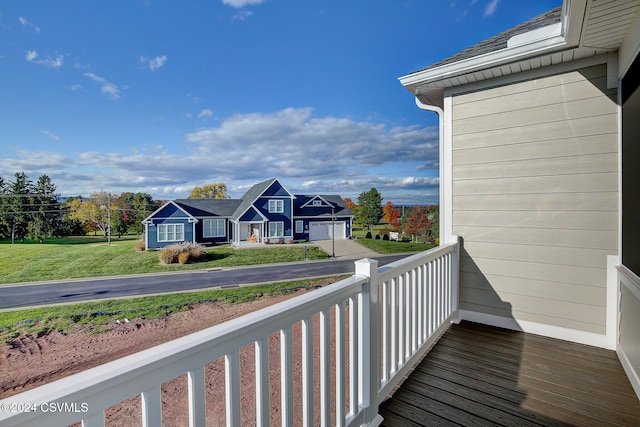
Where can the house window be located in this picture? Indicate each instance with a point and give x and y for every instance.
(299, 226)
(213, 228)
(317, 203)
(276, 206)
(276, 229)
(170, 232)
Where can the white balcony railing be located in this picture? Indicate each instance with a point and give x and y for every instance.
(385, 320)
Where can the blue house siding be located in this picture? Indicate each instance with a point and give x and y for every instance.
(153, 231)
(251, 215)
(276, 189)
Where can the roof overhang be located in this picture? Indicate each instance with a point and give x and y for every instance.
(584, 30)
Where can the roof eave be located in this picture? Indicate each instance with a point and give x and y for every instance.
(508, 55)
(556, 37)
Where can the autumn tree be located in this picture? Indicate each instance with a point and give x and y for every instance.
(70, 226)
(370, 210)
(94, 212)
(216, 190)
(391, 215)
(136, 207)
(419, 224)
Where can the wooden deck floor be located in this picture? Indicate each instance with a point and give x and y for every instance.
(480, 375)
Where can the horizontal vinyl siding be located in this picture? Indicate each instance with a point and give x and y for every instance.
(535, 177)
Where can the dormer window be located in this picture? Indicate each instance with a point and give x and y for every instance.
(276, 206)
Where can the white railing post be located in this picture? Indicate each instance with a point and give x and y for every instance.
(197, 397)
(369, 342)
(455, 280)
(151, 407)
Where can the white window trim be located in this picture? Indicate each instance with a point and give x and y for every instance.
(299, 226)
(276, 206)
(178, 232)
(275, 224)
(212, 227)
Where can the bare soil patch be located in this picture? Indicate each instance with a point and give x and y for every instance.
(31, 361)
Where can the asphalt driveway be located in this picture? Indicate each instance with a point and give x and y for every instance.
(345, 249)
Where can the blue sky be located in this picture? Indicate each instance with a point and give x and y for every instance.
(161, 96)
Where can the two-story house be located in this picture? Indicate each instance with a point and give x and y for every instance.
(266, 213)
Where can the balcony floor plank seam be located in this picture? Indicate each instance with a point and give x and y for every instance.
(482, 375)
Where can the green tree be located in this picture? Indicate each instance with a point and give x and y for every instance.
(4, 214)
(137, 207)
(370, 210)
(45, 213)
(17, 205)
(216, 190)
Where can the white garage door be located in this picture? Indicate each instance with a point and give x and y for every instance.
(322, 230)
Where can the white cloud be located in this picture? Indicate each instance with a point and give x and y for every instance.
(205, 113)
(32, 56)
(241, 3)
(28, 24)
(491, 7)
(242, 15)
(109, 89)
(309, 154)
(51, 135)
(154, 63)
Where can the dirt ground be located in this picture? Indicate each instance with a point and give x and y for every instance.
(30, 361)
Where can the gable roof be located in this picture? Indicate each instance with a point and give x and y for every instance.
(148, 220)
(252, 194)
(303, 208)
(235, 209)
(579, 29)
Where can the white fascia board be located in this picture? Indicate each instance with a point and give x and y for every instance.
(148, 220)
(488, 60)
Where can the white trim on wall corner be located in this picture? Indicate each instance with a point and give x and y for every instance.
(581, 337)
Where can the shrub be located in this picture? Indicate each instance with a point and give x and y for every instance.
(139, 246)
(172, 253)
(183, 257)
(385, 237)
(368, 236)
(377, 237)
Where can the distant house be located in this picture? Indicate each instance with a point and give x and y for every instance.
(267, 213)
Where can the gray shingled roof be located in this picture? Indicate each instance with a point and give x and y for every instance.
(341, 208)
(499, 41)
(234, 208)
(251, 195)
(209, 207)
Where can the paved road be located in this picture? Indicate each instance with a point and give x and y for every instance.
(92, 289)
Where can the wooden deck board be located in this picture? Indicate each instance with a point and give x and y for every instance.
(481, 375)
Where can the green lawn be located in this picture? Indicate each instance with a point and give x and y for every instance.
(392, 247)
(102, 314)
(58, 259)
